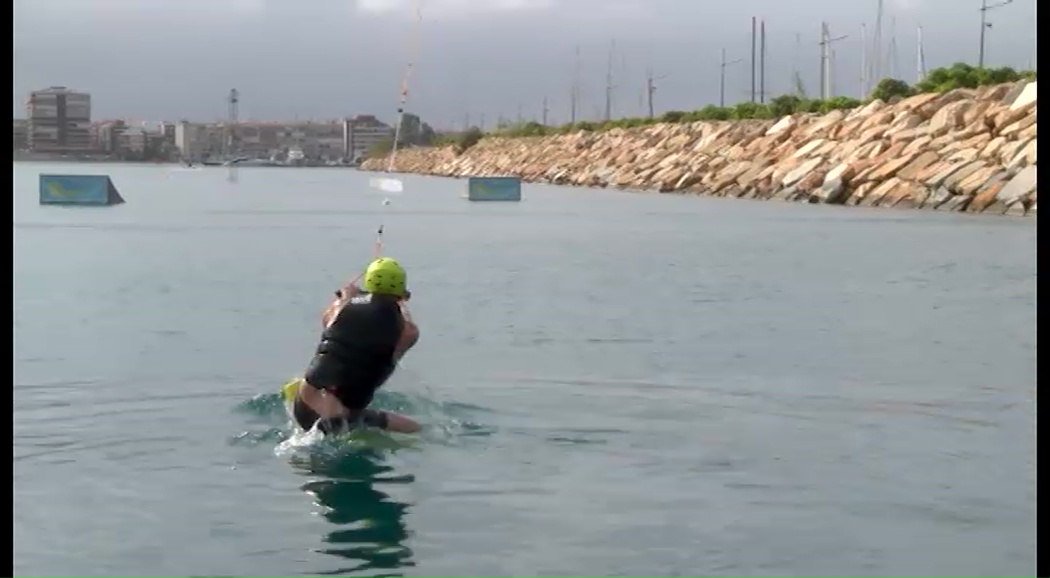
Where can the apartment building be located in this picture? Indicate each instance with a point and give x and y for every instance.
(317, 140)
(361, 133)
(59, 120)
(21, 134)
(107, 135)
(133, 140)
(347, 139)
(198, 141)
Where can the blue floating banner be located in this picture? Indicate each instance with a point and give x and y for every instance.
(494, 189)
(95, 190)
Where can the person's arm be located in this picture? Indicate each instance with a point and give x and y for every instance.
(328, 316)
(342, 297)
(409, 334)
(401, 424)
(405, 313)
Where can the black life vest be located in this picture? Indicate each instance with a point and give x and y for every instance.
(356, 353)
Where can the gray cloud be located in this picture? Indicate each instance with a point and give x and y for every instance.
(169, 59)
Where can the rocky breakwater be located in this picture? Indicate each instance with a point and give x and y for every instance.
(964, 150)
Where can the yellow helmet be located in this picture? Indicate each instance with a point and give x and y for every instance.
(385, 276)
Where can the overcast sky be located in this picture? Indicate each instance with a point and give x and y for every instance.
(321, 59)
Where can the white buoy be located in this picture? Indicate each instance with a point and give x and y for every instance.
(386, 202)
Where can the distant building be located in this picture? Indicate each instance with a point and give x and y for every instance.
(59, 120)
(347, 139)
(258, 139)
(132, 140)
(363, 132)
(21, 134)
(316, 140)
(185, 134)
(168, 130)
(198, 141)
(109, 135)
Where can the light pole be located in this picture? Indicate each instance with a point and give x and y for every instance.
(722, 82)
(650, 88)
(985, 7)
(825, 59)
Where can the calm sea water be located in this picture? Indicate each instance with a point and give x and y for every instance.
(612, 384)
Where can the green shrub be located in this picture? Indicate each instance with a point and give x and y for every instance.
(751, 110)
(712, 112)
(785, 104)
(888, 88)
(672, 116)
(380, 149)
(839, 103)
(962, 75)
(524, 129)
(468, 138)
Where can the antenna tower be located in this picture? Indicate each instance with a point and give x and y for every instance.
(876, 65)
(650, 88)
(754, 59)
(863, 60)
(800, 88)
(762, 62)
(574, 95)
(723, 64)
(232, 105)
(608, 82)
(826, 59)
(920, 55)
(892, 50)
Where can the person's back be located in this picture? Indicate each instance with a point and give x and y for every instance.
(365, 334)
(357, 349)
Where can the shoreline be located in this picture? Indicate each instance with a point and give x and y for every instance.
(172, 164)
(966, 150)
(88, 160)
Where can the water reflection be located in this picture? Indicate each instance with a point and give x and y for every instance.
(369, 527)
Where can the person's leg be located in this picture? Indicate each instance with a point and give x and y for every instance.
(356, 398)
(383, 420)
(304, 416)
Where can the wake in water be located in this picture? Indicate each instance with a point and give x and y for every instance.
(443, 422)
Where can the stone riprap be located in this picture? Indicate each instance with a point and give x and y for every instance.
(964, 150)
